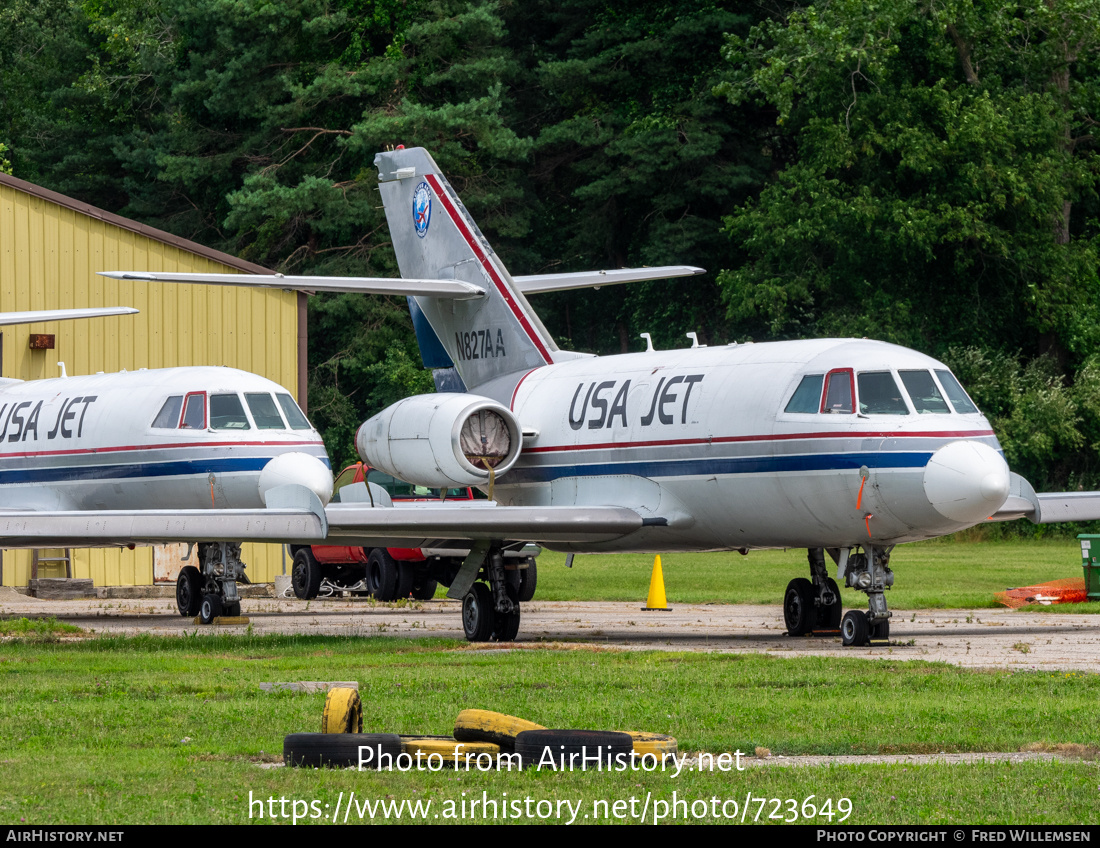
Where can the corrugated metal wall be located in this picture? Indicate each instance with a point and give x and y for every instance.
(49, 256)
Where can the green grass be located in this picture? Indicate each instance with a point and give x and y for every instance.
(37, 629)
(928, 575)
(146, 730)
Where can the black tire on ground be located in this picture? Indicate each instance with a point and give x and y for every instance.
(340, 750)
(854, 629)
(528, 577)
(828, 618)
(382, 575)
(189, 591)
(880, 630)
(798, 607)
(406, 577)
(506, 627)
(424, 588)
(305, 575)
(534, 745)
(478, 613)
(232, 610)
(211, 608)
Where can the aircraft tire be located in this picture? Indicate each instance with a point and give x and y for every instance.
(382, 575)
(211, 608)
(305, 575)
(854, 629)
(829, 617)
(478, 614)
(880, 630)
(528, 577)
(533, 745)
(233, 609)
(487, 726)
(798, 607)
(506, 627)
(189, 591)
(424, 588)
(343, 712)
(406, 577)
(338, 750)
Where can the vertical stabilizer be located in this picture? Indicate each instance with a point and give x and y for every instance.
(435, 238)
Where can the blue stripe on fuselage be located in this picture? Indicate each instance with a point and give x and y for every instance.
(711, 467)
(129, 471)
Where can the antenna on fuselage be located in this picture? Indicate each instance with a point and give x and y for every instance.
(61, 365)
(649, 348)
(694, 340)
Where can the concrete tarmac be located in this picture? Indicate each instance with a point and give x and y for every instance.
(985, 638)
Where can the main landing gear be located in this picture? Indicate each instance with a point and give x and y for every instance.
(814, 605)
(490, 611)
(211, 592)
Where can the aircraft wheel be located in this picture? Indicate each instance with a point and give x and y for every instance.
(382, 575)
(829, 617)
(189, 591)
(305, 575)
(528, 577)
(424, 588)
(211, 608)
(506, 627)
(854, 629)
(232, 610)
(798, 607)
(880, 630)
(478, 613)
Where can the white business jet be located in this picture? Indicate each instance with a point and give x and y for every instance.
(165, 455)
(845, 447)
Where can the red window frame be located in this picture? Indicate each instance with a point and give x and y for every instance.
(183, 410)
(851, 390)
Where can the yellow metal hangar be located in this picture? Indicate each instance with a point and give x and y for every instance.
(51, 247)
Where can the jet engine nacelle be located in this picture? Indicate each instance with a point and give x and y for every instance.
(442, 440)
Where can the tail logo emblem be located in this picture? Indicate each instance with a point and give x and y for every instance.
(422, 209)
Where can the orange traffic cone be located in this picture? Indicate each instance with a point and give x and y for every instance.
(656, 601)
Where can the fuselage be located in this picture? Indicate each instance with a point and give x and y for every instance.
(828, 443)
(174, 438)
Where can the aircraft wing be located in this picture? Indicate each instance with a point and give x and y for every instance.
(447, 289)
(8, 318)
(1046, 507)
(432, 525)
(535, 283)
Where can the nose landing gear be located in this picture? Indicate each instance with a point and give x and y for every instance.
(814, 606)
(211, 592)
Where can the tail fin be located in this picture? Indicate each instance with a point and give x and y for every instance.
(435, 238)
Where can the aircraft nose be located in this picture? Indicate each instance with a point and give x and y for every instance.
(966, 481)
(299, 469)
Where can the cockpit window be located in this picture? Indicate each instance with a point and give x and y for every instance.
(227, 413)
(956, 394)
(807, 397)
(879, 394)
(838, 392)
(194, 412)
(924, 393)
(264, 412)
(293, 414)
(169, 415)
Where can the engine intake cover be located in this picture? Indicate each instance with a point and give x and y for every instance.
(442, 440)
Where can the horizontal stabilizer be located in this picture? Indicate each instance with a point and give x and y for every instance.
(423, 526)
(9, 318)
(446, 289)
(535, 283)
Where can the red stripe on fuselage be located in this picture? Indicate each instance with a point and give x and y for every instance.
(151, 447)
(474, 245)
(780, 437)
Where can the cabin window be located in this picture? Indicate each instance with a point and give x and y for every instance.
(194, 412)
(227, 413)
(924, 393)
(956, 394)
(807, 397)
(293, 414)
(264, 412)
(838, 392)
(879, 394)
(169, 416)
